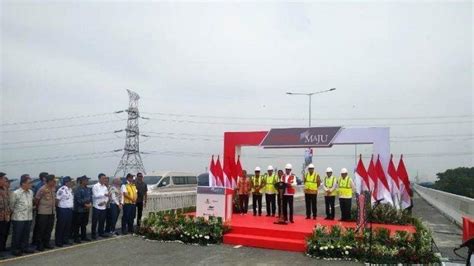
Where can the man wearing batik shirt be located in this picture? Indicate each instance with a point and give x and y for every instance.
(4, 211)
(21, 204)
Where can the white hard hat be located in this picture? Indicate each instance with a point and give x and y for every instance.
(343, 171)
(257, 169)
(329, 170)
(311, 166)
(270, 168)
(288, 166)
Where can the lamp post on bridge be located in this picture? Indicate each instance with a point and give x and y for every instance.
(310, 95)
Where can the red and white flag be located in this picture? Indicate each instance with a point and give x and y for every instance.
(219, 173)
(394, 182)
(212, 175)
(227, 173)
(238, 169)
(373, 179)
(362, 177)
(233, 169)
(383, 186)
(405, 189)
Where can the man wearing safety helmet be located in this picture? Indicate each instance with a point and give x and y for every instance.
(290, 179)
(270, 180)
(257, 185)
(345, 191)
(330, 192)
(311, 186)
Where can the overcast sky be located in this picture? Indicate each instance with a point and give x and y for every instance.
(406, 65)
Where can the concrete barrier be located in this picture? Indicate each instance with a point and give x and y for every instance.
(451, 205)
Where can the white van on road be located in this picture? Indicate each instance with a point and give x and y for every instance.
(171, 180)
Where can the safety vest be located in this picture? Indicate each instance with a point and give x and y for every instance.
(329, 182)
(345, 187)
(131, 193)
(311, 182)
(256, 183)
(289, 179)
(270, 181)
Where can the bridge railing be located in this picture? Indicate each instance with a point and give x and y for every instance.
(451, 205)
(170, 200)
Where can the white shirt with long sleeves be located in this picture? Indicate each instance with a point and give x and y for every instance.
(100, 195)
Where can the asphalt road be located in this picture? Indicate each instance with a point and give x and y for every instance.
(130, 250)
(127, 250)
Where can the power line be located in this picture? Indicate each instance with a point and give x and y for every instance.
(66, 126)
(67, 160)
(180, 134)
(432, 140)
(57, 157)
(294, 125)
(58, 144)
(275, 156)
(321, 119)
(59, 138)
(432, 136)
(55, 119)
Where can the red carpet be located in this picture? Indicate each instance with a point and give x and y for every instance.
(261, 232)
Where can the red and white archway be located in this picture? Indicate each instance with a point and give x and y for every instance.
(319, 137)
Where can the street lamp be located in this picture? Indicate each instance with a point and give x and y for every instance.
(309, 96)
(309, 122)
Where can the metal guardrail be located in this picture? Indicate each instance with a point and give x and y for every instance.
(162, 201)
(451, 205)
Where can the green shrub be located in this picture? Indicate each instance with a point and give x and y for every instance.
(175, 225)
(401, 247)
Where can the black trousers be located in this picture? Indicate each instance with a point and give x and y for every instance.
(82, 219)
(128, 217)
(243, 203)
(35, 240)
(279, 203)
(20, 235)
(139, 212)
(73, 222)
(4, 228)
(257, 203)
(108, 219)
(345, 209)
(329, 201)
(270, 202)
(98, 217)
(288, 203)
(63, 226)
(45, 227)
(114, 212)
(310, 200)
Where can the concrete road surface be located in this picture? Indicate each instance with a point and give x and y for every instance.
(130, 250)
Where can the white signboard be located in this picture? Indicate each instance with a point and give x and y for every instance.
(214, 201)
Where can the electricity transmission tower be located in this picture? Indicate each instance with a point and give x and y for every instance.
(131, 161)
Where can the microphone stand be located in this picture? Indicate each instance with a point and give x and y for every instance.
(377, 203)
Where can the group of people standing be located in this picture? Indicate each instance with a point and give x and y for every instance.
(257, 185)
(71, 205)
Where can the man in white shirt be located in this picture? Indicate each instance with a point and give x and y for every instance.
(100, 197)
(65, 200)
